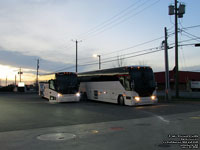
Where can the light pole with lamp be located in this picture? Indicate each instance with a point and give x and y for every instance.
(95, 55)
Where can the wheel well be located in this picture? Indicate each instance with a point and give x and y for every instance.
(118, 100)
(119, 96)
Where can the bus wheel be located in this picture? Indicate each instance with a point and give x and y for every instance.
(120, 100)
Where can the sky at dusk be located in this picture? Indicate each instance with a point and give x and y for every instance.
(115, 29)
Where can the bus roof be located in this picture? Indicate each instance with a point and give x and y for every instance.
(112, 71)
(52, 76)
(65, 73)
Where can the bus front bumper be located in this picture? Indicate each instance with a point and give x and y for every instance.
(68, 97)
(145, 100)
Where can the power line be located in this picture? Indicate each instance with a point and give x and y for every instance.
(134, 46)
(112, 60)
(125, 19)
(192, 38)
(149, 49)
(187, 40)
(124, 12)
(157, 49)
(141, 44)
(191, 34)
(131, 47)
(123, 58)
(124, 49)
(116, 20)
(110, 19)
(190, 27)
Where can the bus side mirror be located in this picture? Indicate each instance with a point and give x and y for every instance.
(132, 85)
(52, 84)
(156, 85)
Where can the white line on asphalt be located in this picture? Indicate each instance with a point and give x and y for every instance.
(163, 119)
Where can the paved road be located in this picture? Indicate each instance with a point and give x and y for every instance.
(26, 118)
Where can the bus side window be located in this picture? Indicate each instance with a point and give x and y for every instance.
(51, 84)
(121, 79)
(127, 83)
(95, 94)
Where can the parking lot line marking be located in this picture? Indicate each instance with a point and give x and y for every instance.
(163, 119)
(196, 117)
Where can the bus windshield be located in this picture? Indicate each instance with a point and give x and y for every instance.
(67, 84)
(142, 81)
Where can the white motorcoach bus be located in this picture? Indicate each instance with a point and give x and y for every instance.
(59, 87)
(131, 85)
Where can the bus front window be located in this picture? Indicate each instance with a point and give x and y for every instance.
(143, 80)
(67, 84)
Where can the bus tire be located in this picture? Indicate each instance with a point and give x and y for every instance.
(120, 100)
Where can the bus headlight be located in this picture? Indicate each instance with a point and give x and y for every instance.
(137, 98)
(78, 94)
(60, 95)
(153, 97)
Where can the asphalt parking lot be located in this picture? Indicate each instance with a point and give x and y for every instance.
(25, 119)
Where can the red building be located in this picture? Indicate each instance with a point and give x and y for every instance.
(184, 79)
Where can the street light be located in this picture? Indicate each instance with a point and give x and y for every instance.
(95, 55)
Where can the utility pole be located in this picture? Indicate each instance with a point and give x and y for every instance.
(99, 62)
(167, 85)
(38, 62)
(15, 80)
(76, 54)
(178, 12)
(20, 73)
(6, 81)
(176, 51)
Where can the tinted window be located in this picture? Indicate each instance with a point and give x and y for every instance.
(143, 80)
(67, 84)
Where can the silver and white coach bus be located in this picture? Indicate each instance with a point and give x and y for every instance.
(59, 87)
(131, 85)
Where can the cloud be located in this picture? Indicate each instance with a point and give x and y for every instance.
(17, 59)
(37, 26)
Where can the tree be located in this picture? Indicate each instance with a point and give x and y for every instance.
(120, 61)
